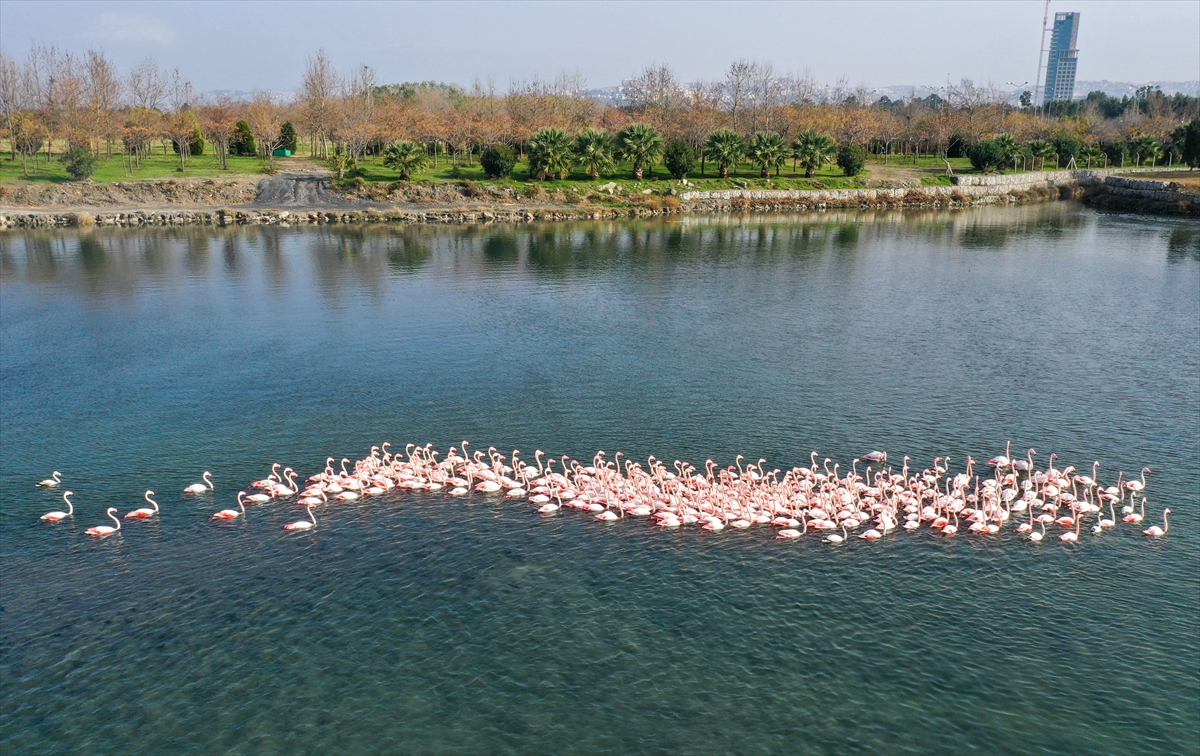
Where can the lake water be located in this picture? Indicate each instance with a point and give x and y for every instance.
(417, 623)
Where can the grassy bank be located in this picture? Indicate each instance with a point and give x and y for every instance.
(157, 166)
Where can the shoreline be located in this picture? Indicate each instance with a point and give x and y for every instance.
(300, 200)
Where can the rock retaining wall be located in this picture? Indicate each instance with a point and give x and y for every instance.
(290, 218)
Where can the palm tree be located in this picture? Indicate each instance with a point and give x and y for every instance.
(550, 153)
(767, 150)
(406, 157)
(814, 149)
(1040, 148)
(640, 143)
(1009, 149)
(1145, 148)
(725, 147)
(1091, 152)
(594, 151)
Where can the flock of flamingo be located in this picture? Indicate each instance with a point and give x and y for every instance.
(877, 499)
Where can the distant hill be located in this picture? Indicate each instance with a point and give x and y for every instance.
(1122, 88)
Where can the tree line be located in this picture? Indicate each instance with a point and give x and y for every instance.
(54, 98)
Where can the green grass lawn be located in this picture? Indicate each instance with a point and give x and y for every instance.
(156, 166)
(930, 169)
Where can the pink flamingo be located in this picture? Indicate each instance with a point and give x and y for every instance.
(199, 488)
(1154, 531)
(144, 512)
(105, 530)
(232, 514)
(311, 522)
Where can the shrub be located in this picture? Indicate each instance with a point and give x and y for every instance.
(287, 137)
(242, 142)
(680, 158)
(851, 159)
(406, 157)
(498, 161)
(79, 162)
(1191, 144)
(987, 155)
(195, 146)
(1066, 147)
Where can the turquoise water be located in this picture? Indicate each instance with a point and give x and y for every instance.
(418, 623)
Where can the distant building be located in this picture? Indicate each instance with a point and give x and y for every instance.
(1060, 70)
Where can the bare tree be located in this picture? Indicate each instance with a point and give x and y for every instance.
(147, 85)
(656, 87)
(736, 87)
(103, 91)
(218, 120)
(262, 115)
(13, 96)
(317, 94)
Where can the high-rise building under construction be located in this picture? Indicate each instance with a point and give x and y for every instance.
(1060, 69)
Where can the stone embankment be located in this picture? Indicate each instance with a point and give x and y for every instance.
(966, 191)
(241, 217)
(1145, 196)
(309, 199)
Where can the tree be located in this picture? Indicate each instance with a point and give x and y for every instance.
(1066, 147)
(243, 143)
(594, 151)
(680, 158)
(195, 143)
(550, 154)
(1040, 149)
(217, 121)
(814, 150)
(987, 155)
(287, 137)
(767, 150)
(851, 159)
(640, 143)
(1191, 144)
(263, 117)
(1026, 99)
(725, 147)
(1144, 148)
(406, 157)
(1009, 149)
(180, 128)
(498, 160)
(79, 162)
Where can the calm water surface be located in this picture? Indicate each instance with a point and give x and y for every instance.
(416, 623)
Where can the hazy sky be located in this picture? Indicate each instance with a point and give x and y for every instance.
(262, 45)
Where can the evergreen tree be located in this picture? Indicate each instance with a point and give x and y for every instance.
(287, 137)
(242, 142)
(1191, 144)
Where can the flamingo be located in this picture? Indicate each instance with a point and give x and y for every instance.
(231, 514)
(311, 522)
(259, 498)
(1154, 531)
(144, 512)
(1072, 535)
(105, 530)
(56, 516)
(834, 537)
(52, 481)
(1137, 486)
(1136, 517)
(199, 488)
(1035, 537)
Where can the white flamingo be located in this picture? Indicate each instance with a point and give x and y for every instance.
(311, 522)
(52, 481)
(199, 488)
(56, 516)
